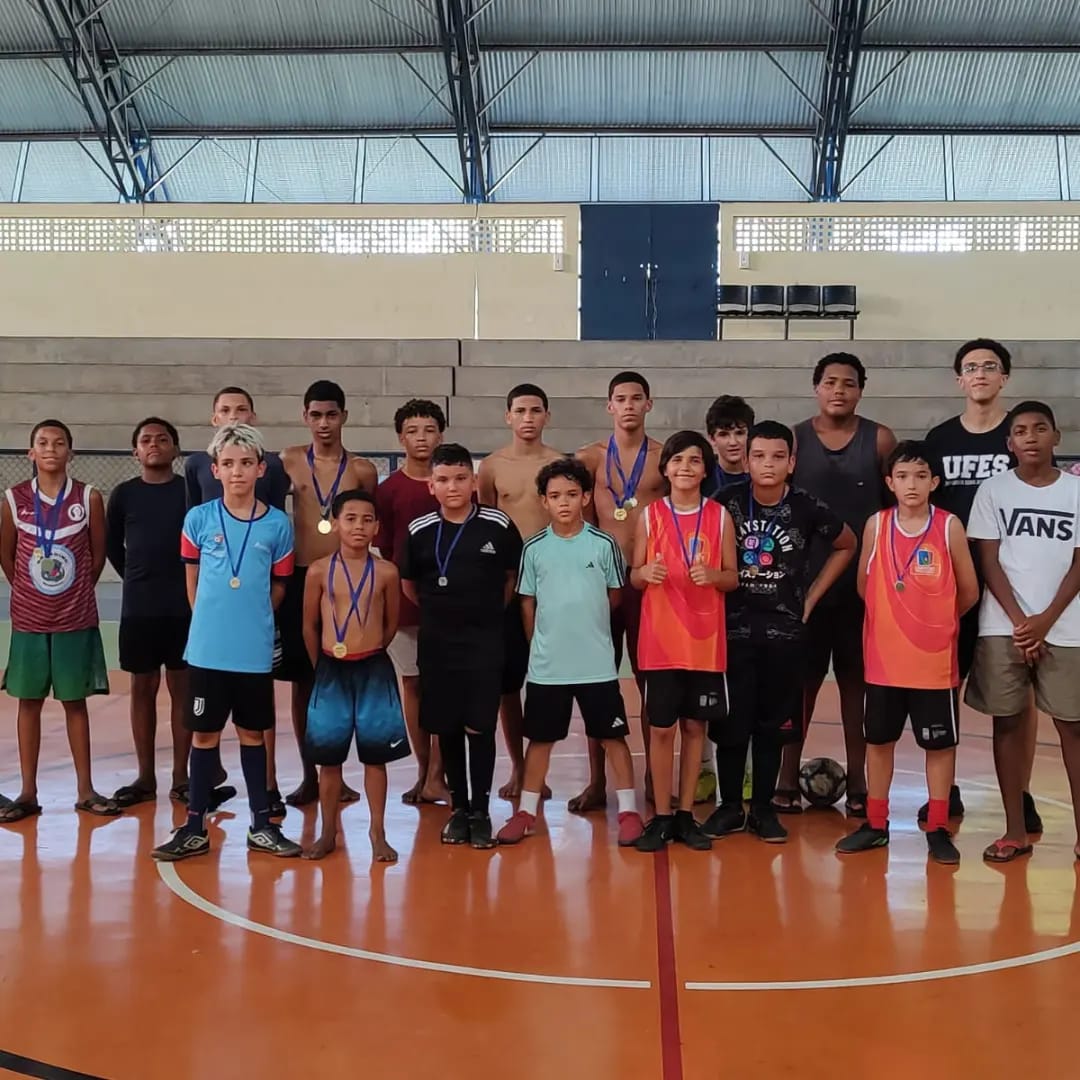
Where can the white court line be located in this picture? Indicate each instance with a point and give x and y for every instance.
(169, 875)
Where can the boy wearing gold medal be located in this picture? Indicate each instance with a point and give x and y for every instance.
(351, 605)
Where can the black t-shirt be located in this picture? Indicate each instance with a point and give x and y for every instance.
(143, 526)
(461, 622)
(721, 481)
(773, 552)
(967, 459)
(271, 488)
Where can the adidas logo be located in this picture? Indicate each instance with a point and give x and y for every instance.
(488, 549)
(590, 566)
(618, 722)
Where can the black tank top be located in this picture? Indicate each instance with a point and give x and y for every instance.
(848, 481)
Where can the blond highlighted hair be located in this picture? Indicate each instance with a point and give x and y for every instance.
(242, 436)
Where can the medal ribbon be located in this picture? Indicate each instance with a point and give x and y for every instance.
(629, 487)
(898, 574)
(340, 630)
(235, 567)
(440, 562)
(771, 524)
(46, 524)
(691, 554)
(328, 502)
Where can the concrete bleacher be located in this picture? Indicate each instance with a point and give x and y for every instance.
(101, 387)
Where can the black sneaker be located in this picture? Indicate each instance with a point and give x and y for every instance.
(956, 807)
(183, 844)
(724, 821)
(456, 830)
(687, 831)
(659, 831)
(863, 838)
(942, 849)
(1033, 824)
(273, 841)
(480, 832)
(278, 809)
(766, 826)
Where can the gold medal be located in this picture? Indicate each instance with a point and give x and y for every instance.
(39, 553)
(631, 503)
(324, 526)
(620, 514)
(234, 583)
(339, 650)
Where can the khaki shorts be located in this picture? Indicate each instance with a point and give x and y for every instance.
(402, 651)
(1000, 683)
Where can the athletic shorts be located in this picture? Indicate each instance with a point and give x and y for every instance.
(148, 644)
(70, 663)
(834, 636)
(402, 651)
(355, 700)
(516, 655)
(671, 696)
(293, 664)
(451, 701)
(935, 716)
(214, 696)
(548, 710)
(1000, 683)
(967, 640)
(626, 622)
(765, 680)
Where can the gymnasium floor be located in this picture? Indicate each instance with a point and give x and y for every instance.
(563, 957)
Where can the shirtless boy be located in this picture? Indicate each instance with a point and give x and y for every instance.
(626, 478)
(507, 481)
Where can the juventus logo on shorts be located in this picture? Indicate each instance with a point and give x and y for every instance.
(198, 706)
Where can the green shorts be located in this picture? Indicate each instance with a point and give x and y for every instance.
(71, 664)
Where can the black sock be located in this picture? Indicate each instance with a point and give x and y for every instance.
(253, 762)
(730, 771)
(204, 764)
(766, 765)
(453, 755)
(481, 770)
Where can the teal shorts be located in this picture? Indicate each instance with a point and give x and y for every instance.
(71, 664)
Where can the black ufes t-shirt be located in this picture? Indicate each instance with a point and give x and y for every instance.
(461, 622)
(774, 562)
(967, 459)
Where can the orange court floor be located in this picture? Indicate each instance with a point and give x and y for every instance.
(564, 956)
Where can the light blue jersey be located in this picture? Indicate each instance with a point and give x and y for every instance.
(570, 578)
(232, 629)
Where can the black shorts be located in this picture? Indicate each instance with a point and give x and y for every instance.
(148, 644)
(215, 695)
(766, 682)
(453, 700)
(626, 625)
(291, 661)
(671, 696)
(834, 635)
(935, 716)
(516, 656)
(548, 710)
(966, 641)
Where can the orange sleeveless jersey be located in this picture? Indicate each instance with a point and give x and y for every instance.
(909, 636)
(682, 624)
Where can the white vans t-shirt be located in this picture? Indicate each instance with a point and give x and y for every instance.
(1039, 528)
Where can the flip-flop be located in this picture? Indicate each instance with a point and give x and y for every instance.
(132, 795)
(17, 810)
(179, 793)
(221, 794)
(795, 807)
(99, 806)
(5, 802)
(1003, 851)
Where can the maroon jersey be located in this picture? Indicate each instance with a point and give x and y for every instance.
(53, 590)
(400, 499)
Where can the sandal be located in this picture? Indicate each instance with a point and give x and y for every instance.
(5, 802)
(220, 795)
(855, 805)
(132, 795)
(179, 793)
(17, 809)
(98, 806)
(1003, 851)
(795, 806)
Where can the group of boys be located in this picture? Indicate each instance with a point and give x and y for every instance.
(731, 571)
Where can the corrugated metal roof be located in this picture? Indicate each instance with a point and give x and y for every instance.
(745, 170)
(908, 169)
(215, 170)
(35, 97)
(642, 88)
(306, 170)
(1006, 168)
(963, 88)
(22, 27)
(400, 170)
(650, 170)
(9, 161)
(63, 172)
(978, 22)
(557, 169)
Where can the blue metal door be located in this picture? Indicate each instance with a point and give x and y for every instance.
(614, 250)
(683, 269)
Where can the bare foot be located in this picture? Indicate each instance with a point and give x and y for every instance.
(348, 794)
(304, 795)
(648, 790)
(380, 849)
(512, 788)
(592, 798)
(412, 797)
(435, 793)
(321, 848)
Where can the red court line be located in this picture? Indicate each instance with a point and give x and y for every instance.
(670, 1036)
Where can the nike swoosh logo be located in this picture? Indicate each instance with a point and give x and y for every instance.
(395, 745)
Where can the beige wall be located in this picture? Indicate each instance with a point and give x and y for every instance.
(1012, 295)
(291, 296)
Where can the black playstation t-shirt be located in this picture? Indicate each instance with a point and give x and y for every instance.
(461, 622)
(967, 459)
(773, 553)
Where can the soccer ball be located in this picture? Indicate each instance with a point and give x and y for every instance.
(822, 781)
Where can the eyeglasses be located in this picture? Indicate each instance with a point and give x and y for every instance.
(987, 367)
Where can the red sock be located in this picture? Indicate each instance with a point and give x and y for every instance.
(877, 813)
(937, 816)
